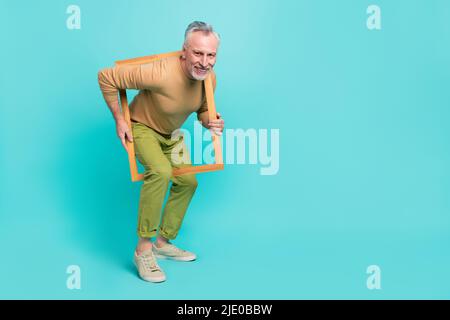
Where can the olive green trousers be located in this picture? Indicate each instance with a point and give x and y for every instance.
(155, 152)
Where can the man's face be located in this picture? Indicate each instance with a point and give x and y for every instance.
(200, 52)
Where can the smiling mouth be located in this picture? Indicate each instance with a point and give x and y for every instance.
(201, 70)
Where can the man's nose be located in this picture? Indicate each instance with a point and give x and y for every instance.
(204, 61)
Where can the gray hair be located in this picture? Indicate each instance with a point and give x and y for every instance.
(199, 26)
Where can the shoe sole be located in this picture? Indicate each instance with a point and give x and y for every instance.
(185, 259)
(154, 280)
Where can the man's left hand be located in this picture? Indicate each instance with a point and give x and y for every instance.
(216, 126)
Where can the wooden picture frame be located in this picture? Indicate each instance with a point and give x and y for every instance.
(218, 165)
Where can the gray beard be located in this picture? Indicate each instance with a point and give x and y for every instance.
(199, 78)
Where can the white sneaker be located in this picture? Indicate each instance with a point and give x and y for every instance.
(148, 268)
(169, 251)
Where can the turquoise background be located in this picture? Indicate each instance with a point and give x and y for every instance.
(364, 151)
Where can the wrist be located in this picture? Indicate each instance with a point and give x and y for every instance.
(118, 117)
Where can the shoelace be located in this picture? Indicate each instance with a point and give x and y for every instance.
(150, 263)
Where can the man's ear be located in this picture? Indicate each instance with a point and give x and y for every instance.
(183, 52)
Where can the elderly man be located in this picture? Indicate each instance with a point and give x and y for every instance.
(170, 90)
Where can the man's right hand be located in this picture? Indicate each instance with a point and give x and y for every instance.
(123, 132)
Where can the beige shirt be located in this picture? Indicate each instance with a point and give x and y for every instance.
(166, 98)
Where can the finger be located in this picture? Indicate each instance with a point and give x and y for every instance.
(218, 115)
(216, 125)
(216, 122)
(129, 136)
(216, 132)
(122, 139)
